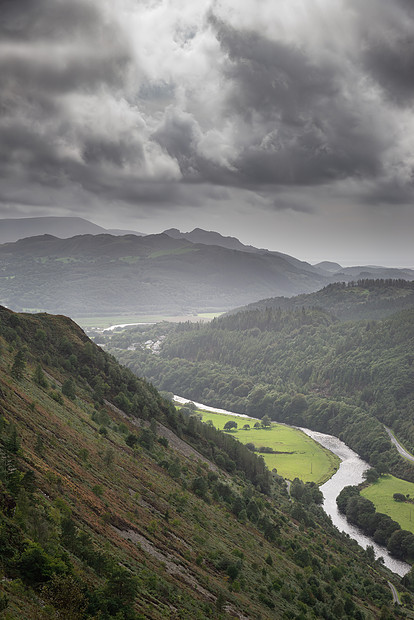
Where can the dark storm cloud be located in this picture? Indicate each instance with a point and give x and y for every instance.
(388, 45)
(60, 64)
(25, 20)
(148, 104)
(389, 192)
(308, 133)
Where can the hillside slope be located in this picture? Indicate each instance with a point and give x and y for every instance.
(106, 512)
(363, 299)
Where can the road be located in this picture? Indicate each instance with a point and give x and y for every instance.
(395, 597)
(399, 447)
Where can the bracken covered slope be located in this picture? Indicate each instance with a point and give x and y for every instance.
(114, 506)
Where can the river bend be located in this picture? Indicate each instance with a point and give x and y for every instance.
(350, 472)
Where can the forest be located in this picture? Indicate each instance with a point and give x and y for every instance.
(303, 366)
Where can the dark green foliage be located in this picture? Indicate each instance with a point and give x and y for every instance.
(361, 512)
(36, 566)
(68, 388)
(57, 396)
(65, 592)
(4, 602)
(401, 544)
(40, 378)
(306, 493)
(119, 592)
(19, 365)
(230, 425)
(399, 497)
(371, 475)
(200, 487)
(302, 367)
(146, 439)
(131, 440)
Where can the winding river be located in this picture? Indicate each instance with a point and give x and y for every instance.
(350, 472)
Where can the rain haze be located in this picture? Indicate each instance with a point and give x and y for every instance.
(288, 124)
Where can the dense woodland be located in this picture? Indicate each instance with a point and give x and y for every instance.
(363, 299)
(361, 512)
(303, 366)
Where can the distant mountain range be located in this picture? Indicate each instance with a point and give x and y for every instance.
(172, 272)
(63, 227)
(91, 274)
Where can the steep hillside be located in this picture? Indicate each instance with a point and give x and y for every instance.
(106, 512)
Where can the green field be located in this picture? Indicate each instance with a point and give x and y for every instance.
(106, 321)
(307, 459)
(381, 494)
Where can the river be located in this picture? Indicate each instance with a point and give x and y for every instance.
(350, 472)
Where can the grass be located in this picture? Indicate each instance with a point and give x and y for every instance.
(304, 458)
(172, 251)
(381, 494)
(67, 259)
(209, 315)
(130, 259)
(106, 321)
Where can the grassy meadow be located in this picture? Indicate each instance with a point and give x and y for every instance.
(299, 455)
(381, 494)
(106, 321)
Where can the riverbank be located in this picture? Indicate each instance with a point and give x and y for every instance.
(294, 454)
(350, 472)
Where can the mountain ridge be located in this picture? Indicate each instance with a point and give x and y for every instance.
(150, 274)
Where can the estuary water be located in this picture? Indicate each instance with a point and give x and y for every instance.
(350, 472)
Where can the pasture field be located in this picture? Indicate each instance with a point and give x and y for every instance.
(104, 322)
(299, 455)
(381, 495)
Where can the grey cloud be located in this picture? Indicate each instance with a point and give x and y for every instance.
(76, 71)
(25, 20)
(386, 30)
(177, 135)
(308, 132)
(60, 65)
(392, 192)
(81, 114)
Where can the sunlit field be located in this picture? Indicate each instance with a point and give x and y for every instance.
(381, 494)
(296, 454)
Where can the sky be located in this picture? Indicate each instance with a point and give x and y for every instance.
(286, 123)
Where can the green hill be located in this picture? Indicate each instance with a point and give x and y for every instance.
(363, 299)
(114, 505)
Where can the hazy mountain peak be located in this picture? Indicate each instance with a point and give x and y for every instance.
(329, 266)
(174, 233)
(14, 229)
